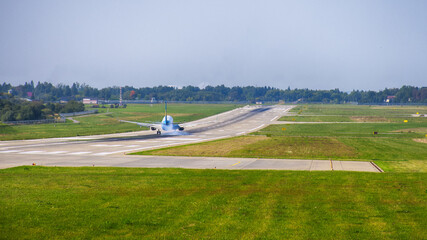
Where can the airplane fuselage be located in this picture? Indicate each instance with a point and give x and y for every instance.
(167, 124)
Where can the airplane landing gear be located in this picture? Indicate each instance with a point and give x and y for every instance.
(158, 132)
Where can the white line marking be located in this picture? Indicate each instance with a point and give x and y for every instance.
(253, 129)
(276, 117)
(32, 152)
(185, 139)
(241, 133)
(132, 146)
(38, 145)
(79, 153)
(10, 151)
(102, 154)
(105, 145)
(57, 152)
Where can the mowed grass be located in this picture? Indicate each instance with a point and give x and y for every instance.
(355, 113)
(123, 203)
(396, 146)
(262, 147)
(107, 121)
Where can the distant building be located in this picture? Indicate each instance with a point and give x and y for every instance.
(390, 98)
(90, 101)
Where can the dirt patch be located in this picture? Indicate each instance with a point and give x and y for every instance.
(421, 140)
(412, 130)
(369, 119)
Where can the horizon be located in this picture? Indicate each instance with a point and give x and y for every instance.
(202, 88)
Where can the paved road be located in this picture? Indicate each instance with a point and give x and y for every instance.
(109, 150)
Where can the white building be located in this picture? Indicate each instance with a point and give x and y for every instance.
(89, 101)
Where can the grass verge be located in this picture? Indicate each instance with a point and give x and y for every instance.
(355, 113)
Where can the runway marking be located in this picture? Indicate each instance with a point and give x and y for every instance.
(38, 145)
(276, 117)
(235, 164)
(253, 129)
(10, 151)
(132, 146)
(210, 139)
(106, 145)
(241, 133)
(76, 138)
(185, 139)
(79, 153)
(102, 154)
(32, 152)
(56, 152)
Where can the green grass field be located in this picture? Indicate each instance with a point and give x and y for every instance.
(108, 122)
(355, 113)
(124, 203)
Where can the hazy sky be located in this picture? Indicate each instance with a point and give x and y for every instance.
(360, 44)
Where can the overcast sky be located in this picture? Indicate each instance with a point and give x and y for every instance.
(360, 44)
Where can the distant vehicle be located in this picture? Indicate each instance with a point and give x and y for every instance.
(165, 125)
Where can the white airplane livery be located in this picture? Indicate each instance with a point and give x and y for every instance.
(165, 125)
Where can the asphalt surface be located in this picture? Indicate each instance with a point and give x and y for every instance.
(111, 149)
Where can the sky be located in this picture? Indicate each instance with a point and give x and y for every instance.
(328, 44)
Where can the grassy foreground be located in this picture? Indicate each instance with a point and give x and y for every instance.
(108, 120)
(123, 203)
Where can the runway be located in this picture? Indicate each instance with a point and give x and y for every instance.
(109, 150)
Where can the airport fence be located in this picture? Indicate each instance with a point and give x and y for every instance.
(62, 118)
(77, 113)
(161, 101)
(40, 121)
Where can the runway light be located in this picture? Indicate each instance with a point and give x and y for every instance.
(405, 121)
(418, 113)
(283, 129)
(34, 164)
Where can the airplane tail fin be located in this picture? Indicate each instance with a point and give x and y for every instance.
(166, 109)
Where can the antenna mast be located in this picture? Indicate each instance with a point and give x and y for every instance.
(120, 104)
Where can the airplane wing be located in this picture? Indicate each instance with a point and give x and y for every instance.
(143, 124)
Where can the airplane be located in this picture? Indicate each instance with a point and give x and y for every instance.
(166, 124)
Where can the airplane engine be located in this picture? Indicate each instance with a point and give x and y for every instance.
(152, 128)
(181, 128)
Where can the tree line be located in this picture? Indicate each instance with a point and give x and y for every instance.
(48, 92)
(13, 109)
